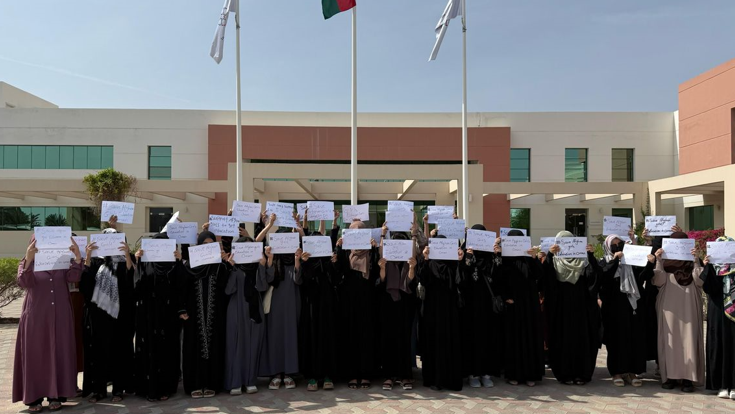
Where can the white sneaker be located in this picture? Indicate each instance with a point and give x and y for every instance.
(487, 382)
(732, 395)
(236, 391)
(474, 382)
(251, 389)
(723, 394)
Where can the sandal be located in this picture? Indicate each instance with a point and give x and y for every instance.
(619, 382)
(197, 394)
(208, 393)
(290, 383)
(275, 384)
(634, 380)
(328, 384)
(352, 385)
(407, 385)
(116, 398)
(387, 385)
(365, 384)
(94, 398)
(54, 406)
(36, 408)
(312, 386)
(512, 382)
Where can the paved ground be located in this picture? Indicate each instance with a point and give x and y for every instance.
(600, 396)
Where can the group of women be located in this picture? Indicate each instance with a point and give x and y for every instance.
(356, 316)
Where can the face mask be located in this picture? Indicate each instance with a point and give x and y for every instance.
(617, 247)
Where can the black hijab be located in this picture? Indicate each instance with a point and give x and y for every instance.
(250, 270)
(681, 269)
(444, 269)
(209, 269)
(280, 261)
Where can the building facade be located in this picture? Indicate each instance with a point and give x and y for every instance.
(541, 171)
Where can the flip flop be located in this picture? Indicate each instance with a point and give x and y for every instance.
(197, 394)
(54, 406)
(364, 384)
(208, 393)
(387, 385)
(35, 408)
(352, 385)
(328, 384)
(407, 386)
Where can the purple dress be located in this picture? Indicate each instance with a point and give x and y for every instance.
(45, 350)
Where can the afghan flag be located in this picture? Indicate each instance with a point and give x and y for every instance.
(332, 7)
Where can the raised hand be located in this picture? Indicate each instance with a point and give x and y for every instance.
(382, 262)
(651, 258)
(140, 253)
(426, 253)
(31, 251)
(74, 248)
(555, 249)
(177, 255)
(659, 253)
(269, 252)
(618, 255)
(460, 253)
(412, 263)
(305, 256)
(230, 258)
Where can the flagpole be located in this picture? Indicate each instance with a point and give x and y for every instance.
(353, 153)
(465, 186)
(238, 146)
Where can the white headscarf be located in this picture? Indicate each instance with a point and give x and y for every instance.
(628, 284)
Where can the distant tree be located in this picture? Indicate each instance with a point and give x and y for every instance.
(56, 220)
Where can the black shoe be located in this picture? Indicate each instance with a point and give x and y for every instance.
(687, 386)
(669, 385)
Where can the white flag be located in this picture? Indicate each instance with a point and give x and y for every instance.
(219, 36)
(454, 8)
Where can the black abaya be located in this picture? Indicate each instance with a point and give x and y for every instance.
(108, 341)
(482, 329)
(158, 329)
(440, 334)
(624, 329)
(524, 343)
(396, 318)
(574, 316)
(720, 334)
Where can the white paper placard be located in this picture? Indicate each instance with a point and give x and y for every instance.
(53, 237)
(443, 249)
(183, 233)
(721, 252)
(224, 225)
(204, 254)
(158, 250)
(616, 225)
(357, 239)
(635, 255)
(284, 213)
(243, 253)
(376, 233)
(660, 225)
(480, 240)
(318, 246)
(123, 211)
(246, 212)
(572, 247)
(52, 259)
(437, 213)
(320, 210)
(301, 209)
(515, 246)
(82, 243)
(400, 205)
(360, 211)
(399, 220)
(678, 249)
(397, 250)
(107, 244)
(504, 231)
(452, 229)
(546, 243)
(282, 243)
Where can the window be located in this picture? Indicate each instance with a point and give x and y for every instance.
(158, 217)
(622, 165)
(159, 163)
(520, 165)
(520, 218)
(376, 211)
(623, 212)
(26, 218)
(575, 221)
(55, 157)
(701, 218)
(575, 165)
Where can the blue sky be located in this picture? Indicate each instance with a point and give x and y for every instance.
(523, 55)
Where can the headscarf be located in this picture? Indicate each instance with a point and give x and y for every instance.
(727, 272)
(483, 259)
(359, 259)
(521, 263)
(204, 236)
(682, 269)
(624, 272)
(396, 274)
(106, 293)
(568, 270)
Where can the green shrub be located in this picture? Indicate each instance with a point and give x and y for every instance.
(9, 289)
(109, 185)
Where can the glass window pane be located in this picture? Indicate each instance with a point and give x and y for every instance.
(622, 165)
(160, 162)
(11, 157)
(520, 218)
(2, 159)
(160, 151)
(52, 157)
(80, 157)
(38, 215)
(106, 160)
(160, 173)
(623, 212)
(66, 157)
(94, 154)
(25, 154)
(575, 165)
(520, 165)
(38, 154)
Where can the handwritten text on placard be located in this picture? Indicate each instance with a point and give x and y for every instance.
(660, 225)
(158, 250)
(397, 250)
(356, 239)
(572, 247)
(318, 246)
(108, 244)
(721, 252)
(283, 211)
(53, 237)
(243, 253)
(443, 249)
(399, 220)
(437, 213)
(282, 243)
(483, 241)
(52, 259)
(616, 225)
(320, 210)
(210, 253)
(678, 249)
(183, 233)
(246, 212)
(224, 225)
(515, 246)
(360, 211)
(400, 205)
(123, 211)
(452, 229)
(635, 255)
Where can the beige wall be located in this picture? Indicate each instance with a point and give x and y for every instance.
(12, 97)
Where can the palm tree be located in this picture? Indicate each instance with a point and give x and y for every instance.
(56, 220)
